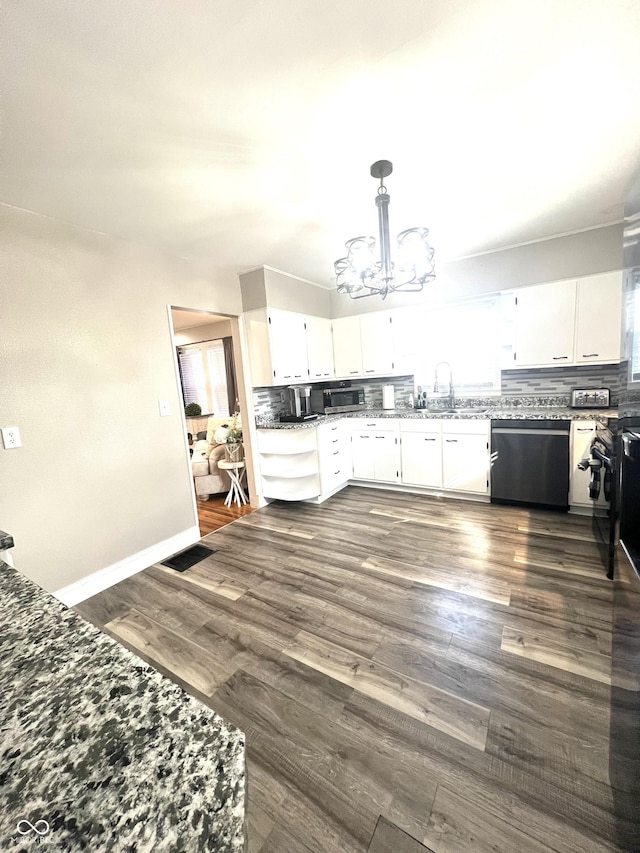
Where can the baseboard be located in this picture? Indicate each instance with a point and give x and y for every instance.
(104, 578)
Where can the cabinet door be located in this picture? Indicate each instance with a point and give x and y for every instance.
(421, 456)
(288, 343)
(582, 433)
(408, 334)
(386, 457)
(544, 325)
(465, 463)
(377, 343)
(347, 346)
(598, 318)
(319, 348)
(362, 456)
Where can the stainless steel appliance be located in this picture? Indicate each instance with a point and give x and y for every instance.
(530, 463)
(299, 404)
(602, 461)
(590, 398)
(329, 400)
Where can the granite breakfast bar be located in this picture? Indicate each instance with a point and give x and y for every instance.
(101, 752)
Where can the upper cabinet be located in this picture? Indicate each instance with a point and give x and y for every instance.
(363, 345)
(598, 318)
(377, 343)
(347, 347)
(319, 348)
(544, 324)
(277, 347)
(568, 322)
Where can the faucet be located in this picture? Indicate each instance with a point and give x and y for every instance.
(436, 385)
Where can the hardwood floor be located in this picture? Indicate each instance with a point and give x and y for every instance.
(411, 673)
(213, 514)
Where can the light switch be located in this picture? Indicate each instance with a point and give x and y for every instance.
(165, 408)
(11, 437)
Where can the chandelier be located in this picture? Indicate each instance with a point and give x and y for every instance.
(361, 274)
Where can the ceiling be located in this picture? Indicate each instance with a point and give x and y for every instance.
(240, 132)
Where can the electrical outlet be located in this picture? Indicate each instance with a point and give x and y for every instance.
(165, 408)
(11, 437)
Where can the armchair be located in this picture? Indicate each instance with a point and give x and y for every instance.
(208, 478)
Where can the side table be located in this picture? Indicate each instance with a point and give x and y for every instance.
(236, 492)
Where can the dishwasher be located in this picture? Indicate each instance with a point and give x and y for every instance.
(530, 463)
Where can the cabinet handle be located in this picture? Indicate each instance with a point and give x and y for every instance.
(298, 376)
(560, 357)
(369, 371)
(590, 354)
(336, 472)
(432, 439)
(379, 436)
(373, 424)
(451, 440)
(351, 372)
(336, 452)
(334, 441)
(325, 374)
(584, 429)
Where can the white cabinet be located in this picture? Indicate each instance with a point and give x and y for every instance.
(363, 345)
(421, 453)
(598, 318)
(334, 453)
(375, 449)
(319, 348)
(569, 322)
(277, 347)
(347, 347)
(582, 433)
(544, 325)
(377, 343)
(465, 456)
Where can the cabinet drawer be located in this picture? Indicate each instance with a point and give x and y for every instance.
(371, 424)
(286, 441)
(419, 425)
(467, 427)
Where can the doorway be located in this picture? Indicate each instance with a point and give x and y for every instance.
(205, 346)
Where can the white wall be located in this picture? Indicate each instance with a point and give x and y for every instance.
(571, 256)
(270, 287)
(206, 332)
(86, 353)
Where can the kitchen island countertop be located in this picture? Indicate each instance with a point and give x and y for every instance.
(100, 751)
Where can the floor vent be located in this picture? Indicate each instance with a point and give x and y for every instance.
(183, 561)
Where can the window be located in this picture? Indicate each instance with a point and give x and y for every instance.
(203, 375)
(468, 335)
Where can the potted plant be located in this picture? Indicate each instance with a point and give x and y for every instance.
(192, 410)
(231, 437)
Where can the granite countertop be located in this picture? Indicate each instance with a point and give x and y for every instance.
(6, 541)
(100, 751)
(480, 413)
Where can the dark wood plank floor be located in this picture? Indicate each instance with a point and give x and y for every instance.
(213, 514)
(410, 672)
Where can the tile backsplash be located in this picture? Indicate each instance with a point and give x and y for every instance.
(267, 402)
(559, 381)
(549, 386)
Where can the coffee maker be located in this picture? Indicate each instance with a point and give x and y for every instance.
(299, 404)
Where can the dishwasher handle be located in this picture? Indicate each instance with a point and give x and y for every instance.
(508, 431)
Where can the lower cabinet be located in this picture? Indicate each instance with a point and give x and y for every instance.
(375, 449)
(446, 454)
(421, 454)
(334, 456)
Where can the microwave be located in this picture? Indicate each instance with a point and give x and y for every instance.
(330, 401)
